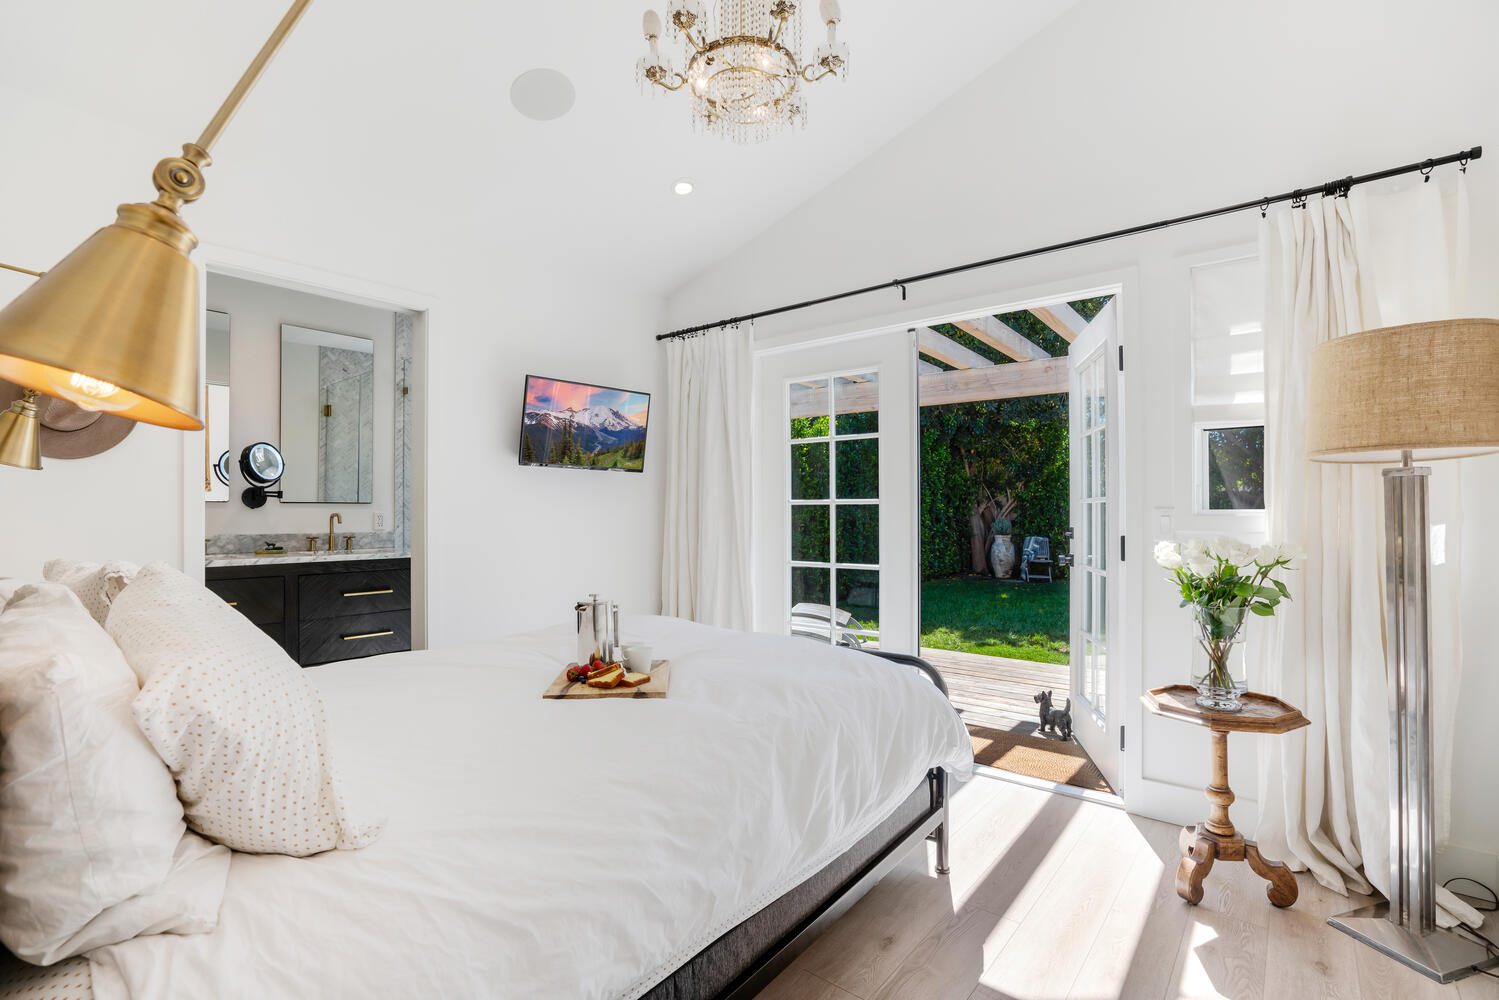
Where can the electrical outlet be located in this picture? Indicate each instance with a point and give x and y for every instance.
(379, 521)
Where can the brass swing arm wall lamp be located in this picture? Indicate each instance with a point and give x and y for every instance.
(20, 426)
(114, 326)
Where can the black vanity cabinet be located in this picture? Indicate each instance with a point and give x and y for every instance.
(323, 611)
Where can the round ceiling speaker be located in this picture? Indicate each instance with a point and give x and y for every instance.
(543, 95)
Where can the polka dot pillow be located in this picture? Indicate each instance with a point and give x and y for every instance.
(238, 724)
(96, 585)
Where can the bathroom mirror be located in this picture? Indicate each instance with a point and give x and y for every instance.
(216, 461)
(327, 416)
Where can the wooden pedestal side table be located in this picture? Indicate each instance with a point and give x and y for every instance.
(1216, 839)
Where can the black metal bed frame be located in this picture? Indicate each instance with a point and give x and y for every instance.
(931, 825)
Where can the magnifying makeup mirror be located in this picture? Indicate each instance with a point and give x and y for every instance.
(262, 466)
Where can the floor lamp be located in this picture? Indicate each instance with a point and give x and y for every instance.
(1423, 392)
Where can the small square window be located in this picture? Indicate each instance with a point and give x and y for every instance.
(1231, 467)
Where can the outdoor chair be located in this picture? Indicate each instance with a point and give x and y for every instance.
(815, 621)
(1035, 560)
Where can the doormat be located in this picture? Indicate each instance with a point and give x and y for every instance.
(1036, 757)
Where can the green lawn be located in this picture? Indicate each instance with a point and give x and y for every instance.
(1026, 621)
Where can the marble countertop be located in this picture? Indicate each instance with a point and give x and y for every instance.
(250, 559)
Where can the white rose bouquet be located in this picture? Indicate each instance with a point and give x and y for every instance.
(1221, 580)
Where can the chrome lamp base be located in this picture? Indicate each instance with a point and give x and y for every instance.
(1406, 928)
(1441, 955)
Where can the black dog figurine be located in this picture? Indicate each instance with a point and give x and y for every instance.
(1056, 720)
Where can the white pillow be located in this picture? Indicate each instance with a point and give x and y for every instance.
(88, 814)
(234, 718)
(96, 585)
(186, 902)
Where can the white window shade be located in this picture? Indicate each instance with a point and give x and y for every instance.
(1228, 338)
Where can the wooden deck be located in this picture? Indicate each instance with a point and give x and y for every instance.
(995, 692)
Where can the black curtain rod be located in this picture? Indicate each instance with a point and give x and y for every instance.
(1297, 197)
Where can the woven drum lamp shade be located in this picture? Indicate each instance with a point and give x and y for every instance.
(1428, 388)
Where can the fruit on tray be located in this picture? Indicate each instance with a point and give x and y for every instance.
(632, 680)
(609, 677)
(576, 673)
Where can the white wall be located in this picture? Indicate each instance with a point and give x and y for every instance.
(512, 548)
(256, 312)
(1120, 113)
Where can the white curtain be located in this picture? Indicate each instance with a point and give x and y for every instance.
(705, 568)
(1338, 266)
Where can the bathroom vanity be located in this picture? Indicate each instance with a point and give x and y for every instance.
(321, 607)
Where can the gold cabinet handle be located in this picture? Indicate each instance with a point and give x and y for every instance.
(370, 593)
(234, 604)
(369, 635)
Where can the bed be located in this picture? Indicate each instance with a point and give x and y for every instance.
(673, 848)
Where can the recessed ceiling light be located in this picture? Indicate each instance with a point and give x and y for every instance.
(542, 95)
(683, 186)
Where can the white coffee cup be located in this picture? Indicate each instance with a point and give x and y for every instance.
(638, 658)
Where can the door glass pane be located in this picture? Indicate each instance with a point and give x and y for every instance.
(1101, 679)
(809, 533)
(859, 469)
(809, 409)
(1103, 611)
(1103, 461)
(1088, 623)
(857, 398)
(859, 534)
(810, 590)
(1103, 533)
(809, 471)
(859, 595)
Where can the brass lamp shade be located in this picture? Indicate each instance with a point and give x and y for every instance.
(114, 326)
(1431, 389)
(21, 434)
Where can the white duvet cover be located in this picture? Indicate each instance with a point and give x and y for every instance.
(541, 849)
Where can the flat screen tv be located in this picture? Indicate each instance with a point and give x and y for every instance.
(574, 425)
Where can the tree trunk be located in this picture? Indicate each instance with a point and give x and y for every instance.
(978, 539)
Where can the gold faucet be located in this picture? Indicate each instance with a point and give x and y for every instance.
(332, 518)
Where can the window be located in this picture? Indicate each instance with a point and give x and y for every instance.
(1228, 386)
(834, 545)
(1231, 458)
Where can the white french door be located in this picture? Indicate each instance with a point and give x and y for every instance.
(836, 491)
(1097, 701)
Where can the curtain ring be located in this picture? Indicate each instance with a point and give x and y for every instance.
(898, 284)
(1264, 207)
(1426, 169)
(1298, 198)
(1462, 163)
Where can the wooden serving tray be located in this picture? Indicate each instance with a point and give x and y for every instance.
(563, 689)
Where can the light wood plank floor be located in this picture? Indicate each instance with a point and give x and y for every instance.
(997, 692)
(1053, 898)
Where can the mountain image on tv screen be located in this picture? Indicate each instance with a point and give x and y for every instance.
(583, 426)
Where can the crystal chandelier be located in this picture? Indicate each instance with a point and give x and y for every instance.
(744, 73)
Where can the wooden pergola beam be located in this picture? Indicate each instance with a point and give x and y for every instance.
(949, 351)
(1065, 321)
(1003, 338)
(1024, 378)
(940, 388)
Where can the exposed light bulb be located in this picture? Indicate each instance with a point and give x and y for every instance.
(682, 187)
(87, 392)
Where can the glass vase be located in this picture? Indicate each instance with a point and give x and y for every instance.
(1218, 660)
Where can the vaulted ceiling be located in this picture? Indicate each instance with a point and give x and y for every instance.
(403, 109)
